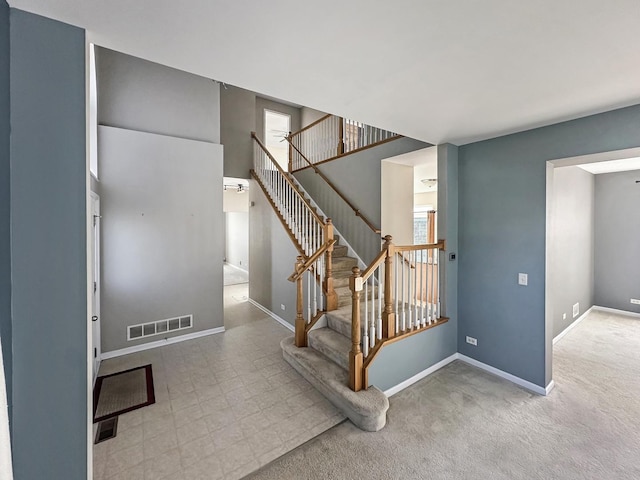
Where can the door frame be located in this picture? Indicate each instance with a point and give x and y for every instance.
(94, 220)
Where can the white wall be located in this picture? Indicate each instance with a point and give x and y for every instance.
(161, 236)
(237, 239)
(397, 202)
(426, 198)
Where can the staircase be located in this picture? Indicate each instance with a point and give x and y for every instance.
(398, 294)
(325, 361)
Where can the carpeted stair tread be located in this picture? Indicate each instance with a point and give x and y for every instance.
(332, 344)
(340, 321)
(339, 251)
(367, 409)
(344, 264)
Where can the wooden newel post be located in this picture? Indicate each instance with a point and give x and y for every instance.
(340, 136)
(290, 153)
(332, 296)
(301, 333)
(388, 315)
(355, 355)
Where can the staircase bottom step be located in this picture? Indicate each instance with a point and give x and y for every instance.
(367, 409)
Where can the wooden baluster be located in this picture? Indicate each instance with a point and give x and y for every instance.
(388, 316)
(332, 296)
(301, 327)
(355, 355)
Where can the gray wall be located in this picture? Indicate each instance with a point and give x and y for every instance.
(237, 121)
(617, 240)
(309, 115)
(162, 241)
(402, 360)
(502, 232)
(140, 95)
(358, 177)
(572, 246)
(237, 239)
(5, 241)
(242, 112)
(272, 257)
(48, 237)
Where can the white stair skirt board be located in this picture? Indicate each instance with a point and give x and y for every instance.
(419, 376)
(160, 343)
(278, 319)
(573, 325)
(532, 387)
(616, 311)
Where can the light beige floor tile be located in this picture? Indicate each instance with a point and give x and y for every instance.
(159, 426)
(124, 439)
(187, 415)
(134, 473)
(196, 450)
(228, 435)
(191, 431)
(235, 456)
(163, 465)
(158, 445)
(123, 460)
(206, 469)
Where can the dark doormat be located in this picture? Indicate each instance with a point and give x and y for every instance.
(122, 392)
(106, 429)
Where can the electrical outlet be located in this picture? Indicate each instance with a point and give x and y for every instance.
(576, 310)
(472, 341)
(282, 307)
(635, 301)
(564, 316)
(523, 279)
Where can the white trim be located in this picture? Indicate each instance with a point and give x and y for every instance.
(419, 376)
(278, 319)
(573, 325)
(507, 376)
(160, 343)
(616, 311)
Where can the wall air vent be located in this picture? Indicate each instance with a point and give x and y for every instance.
(143, 330)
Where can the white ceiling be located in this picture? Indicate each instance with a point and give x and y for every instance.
(425, 166)
(611, 166)
(433, 70)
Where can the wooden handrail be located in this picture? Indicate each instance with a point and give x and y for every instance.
(320, 220)
(333, 187)
(312, 124)
(305, 266)
(379, 260)
(428, 246)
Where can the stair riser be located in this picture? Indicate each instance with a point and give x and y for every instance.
(339, 357)
(340, 325)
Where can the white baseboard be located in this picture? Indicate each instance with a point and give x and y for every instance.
(507, 376)
(616, 311)
(573, 325)
(278, 319)
(160, 343)
(419, 376)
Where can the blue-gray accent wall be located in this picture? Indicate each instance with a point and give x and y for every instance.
(48, 257)
(5, 252)
(502, 216)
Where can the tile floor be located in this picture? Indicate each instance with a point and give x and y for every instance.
(226, 405)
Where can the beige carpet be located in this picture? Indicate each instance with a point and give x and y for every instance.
(462, 423)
